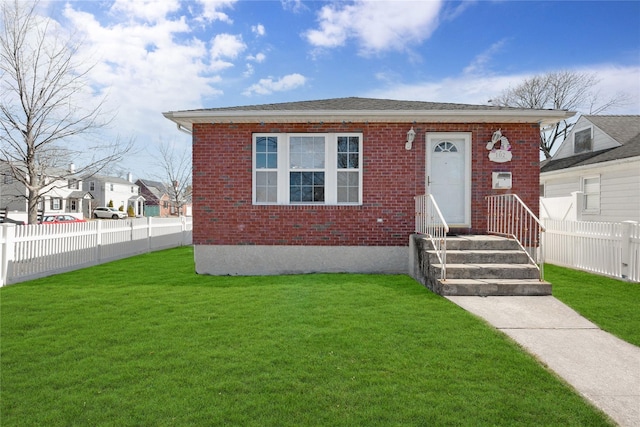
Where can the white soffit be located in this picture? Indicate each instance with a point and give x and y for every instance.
(543, 117)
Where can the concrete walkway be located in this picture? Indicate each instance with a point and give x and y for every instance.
(602, 368)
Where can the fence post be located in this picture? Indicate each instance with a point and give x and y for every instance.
(625, 241)
(149, 235)
(7, 238)
(578, 201)
(98, 255)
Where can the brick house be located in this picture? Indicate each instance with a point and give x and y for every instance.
(329, 185)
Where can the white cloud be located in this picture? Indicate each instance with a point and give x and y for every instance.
(211, 10)
(376, 25)
(260, 57)
(293, 5)
(479, 63)
(249, 70)
(258, 30)
(146, 68)
(147, 10)
(227, 46)
(618, 80)
(134, 58)
(268, 85)
(479, 89)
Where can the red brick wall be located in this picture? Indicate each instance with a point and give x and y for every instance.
(224, 215)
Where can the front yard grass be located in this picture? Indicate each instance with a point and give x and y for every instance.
(613, 305)
(145, 341)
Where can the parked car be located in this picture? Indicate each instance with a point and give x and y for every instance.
(60, 219)
(106, 212)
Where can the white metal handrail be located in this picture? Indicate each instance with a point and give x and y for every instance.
(429, 221)
(508, 216)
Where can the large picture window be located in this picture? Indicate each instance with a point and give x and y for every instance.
(307, 168)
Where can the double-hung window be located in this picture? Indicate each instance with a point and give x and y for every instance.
(56, 203)
(591, 191)
(307, 168)
(265, 177)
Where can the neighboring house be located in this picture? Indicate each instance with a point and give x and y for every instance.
(329, 185)
(596, 170)
(156, 196)
(123, 193)
(58, 196)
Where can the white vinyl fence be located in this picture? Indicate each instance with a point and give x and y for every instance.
(32, 251)
(611, 249)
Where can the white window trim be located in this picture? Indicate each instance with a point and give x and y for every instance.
(56, 201)
(330, 168)
(585, 194)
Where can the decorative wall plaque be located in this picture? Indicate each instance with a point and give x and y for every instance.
(500, 149)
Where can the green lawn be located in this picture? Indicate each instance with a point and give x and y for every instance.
(611, 304)
(144, 341)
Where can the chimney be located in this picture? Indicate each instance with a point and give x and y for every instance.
(72, 168)
(130, 177)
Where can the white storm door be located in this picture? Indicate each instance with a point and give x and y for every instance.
(448, 172)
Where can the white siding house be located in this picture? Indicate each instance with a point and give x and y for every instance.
(122, 193)
(62, 193)
(596, 170)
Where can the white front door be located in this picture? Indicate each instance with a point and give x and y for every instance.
(448, 173)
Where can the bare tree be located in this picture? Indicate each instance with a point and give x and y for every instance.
(45, 107)
(177, 169)
(562, 90)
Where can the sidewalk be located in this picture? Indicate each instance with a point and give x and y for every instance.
(602, 368)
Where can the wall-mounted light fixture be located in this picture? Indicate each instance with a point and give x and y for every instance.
(411, 135)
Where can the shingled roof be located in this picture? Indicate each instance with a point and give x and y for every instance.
(364, 110)
(359, 104)
(155, 189)
(624, 129)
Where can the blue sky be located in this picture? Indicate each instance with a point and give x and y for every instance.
(155, 56)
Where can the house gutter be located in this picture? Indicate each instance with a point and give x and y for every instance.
(599, 165)
(183, 129)
(185, 119)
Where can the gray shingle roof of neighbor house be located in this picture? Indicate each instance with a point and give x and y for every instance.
(156, 188)
(624, 129)
(365, 110)
(80, 195)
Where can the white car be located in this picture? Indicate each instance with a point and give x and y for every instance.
(105, 212)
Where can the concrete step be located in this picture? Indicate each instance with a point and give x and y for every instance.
(480, 265)
(487, 271)
(481, 243)
(482, 257)
(493, 287)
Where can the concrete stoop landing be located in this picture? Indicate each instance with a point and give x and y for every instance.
(480, 265)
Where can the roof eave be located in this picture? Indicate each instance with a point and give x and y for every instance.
(186, 119)
(596, 165)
